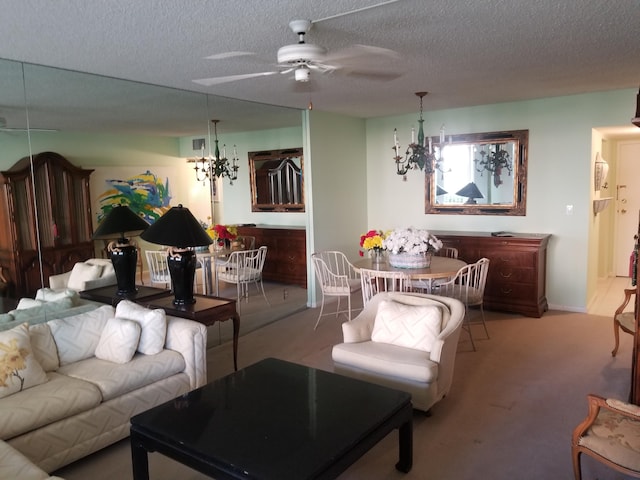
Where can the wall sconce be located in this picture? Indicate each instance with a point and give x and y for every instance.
(493, 159)
(181, 232)
(121, 223)
(421, 155)
(470, 190)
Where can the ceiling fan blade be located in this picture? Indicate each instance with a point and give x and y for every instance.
(207, 82)
(221, 56)
(370, 74)
(361, 53)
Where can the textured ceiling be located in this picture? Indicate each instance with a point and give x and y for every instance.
(464, 52)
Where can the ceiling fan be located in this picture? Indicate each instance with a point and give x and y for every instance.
(302, 58)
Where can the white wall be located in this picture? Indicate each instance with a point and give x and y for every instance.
(560, 173)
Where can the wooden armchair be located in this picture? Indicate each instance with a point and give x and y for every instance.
(625, 321)
(610, 434)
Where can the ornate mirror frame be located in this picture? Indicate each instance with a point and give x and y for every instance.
(507, 188)
(277, 180)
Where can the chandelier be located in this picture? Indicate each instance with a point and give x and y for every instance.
(217, 166)
(423, 154)
(494, 160)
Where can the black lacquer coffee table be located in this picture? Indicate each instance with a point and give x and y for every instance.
(274, 420)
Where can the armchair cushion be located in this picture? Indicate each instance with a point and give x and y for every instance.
(411, 326)
(81, 273)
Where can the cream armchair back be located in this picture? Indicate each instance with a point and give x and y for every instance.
(92, 273)
(425, 369)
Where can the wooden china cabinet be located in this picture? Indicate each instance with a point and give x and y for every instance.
(61, 229)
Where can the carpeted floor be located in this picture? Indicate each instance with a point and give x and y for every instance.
(509, 415)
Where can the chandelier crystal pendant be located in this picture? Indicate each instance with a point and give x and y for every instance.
(217, 165)
(494, 160)
(420, 154)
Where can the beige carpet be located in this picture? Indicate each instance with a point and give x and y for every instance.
(510, 414)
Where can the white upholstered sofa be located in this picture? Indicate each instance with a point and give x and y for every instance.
(406, 341)
(72, 384)
(92, 273)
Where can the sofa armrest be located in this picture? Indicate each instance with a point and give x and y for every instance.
(100, 282)
(57, 282)
(189, 338)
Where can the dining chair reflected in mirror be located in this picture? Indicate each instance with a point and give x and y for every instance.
(625, 321)
(158, 267)
(337, 277)
(242, 268)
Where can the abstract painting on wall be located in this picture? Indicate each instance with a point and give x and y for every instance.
(145, 193)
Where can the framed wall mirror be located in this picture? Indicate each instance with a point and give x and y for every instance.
(480, 174)
(277, 178)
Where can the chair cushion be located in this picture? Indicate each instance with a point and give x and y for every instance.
(627, 320)
(387, 359)
(19, 368)
(152, 322)
(615, 437)
(410, 326)
(81, 273)
(119, 340)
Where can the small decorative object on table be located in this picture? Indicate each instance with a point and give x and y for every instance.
(372, 242)
(411, 248)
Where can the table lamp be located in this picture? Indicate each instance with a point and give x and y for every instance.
(179, 230)
(470, 190)
(121, 223)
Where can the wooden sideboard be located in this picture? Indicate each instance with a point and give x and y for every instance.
(517, 268)
(286, 260)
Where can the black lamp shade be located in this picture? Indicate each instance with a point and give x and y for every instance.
(179, 228)
(120, 223)
(470, 190)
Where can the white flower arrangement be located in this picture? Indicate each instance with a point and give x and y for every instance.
(411, 241)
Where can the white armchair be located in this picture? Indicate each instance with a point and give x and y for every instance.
(421, 362)
(92, 273)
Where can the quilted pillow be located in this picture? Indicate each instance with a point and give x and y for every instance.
(152, 322)
(81, 273)
(50, 295)
(411, 326)
(25, 303)
(118, 341)
(19, 368)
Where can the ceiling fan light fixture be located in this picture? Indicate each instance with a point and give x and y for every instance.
(302, 74)
(301, 52)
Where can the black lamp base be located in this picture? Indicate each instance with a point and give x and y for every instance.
(125, 261)
(182, 269)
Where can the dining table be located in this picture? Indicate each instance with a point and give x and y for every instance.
(441, 268)
(207, 259)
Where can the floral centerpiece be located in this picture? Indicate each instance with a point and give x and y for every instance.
(222, 234)
(372, 242)
(411, 247)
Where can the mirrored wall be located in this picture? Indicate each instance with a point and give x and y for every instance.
(91, 121)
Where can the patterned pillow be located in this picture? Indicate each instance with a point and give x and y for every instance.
(19, 368)
(152, 322)
(25, 303)
(118, 341)
(50, 295)
(411, 326)
(81, 273)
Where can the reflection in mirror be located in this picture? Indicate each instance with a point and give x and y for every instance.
(277, 180)
(480, 174)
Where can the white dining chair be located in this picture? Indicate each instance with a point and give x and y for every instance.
(242, 268)
(375, 281)
(158, 267)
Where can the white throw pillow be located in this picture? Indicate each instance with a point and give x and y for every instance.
(118, 341)
(19, 368)
(50, 295)
(152, 322)
(81, 273)
(25, 303)
(411, 326)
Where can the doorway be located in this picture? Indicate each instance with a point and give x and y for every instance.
(627, 203)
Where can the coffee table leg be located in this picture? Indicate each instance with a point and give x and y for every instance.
(139, 460)
(236, 332)
(405, 445)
